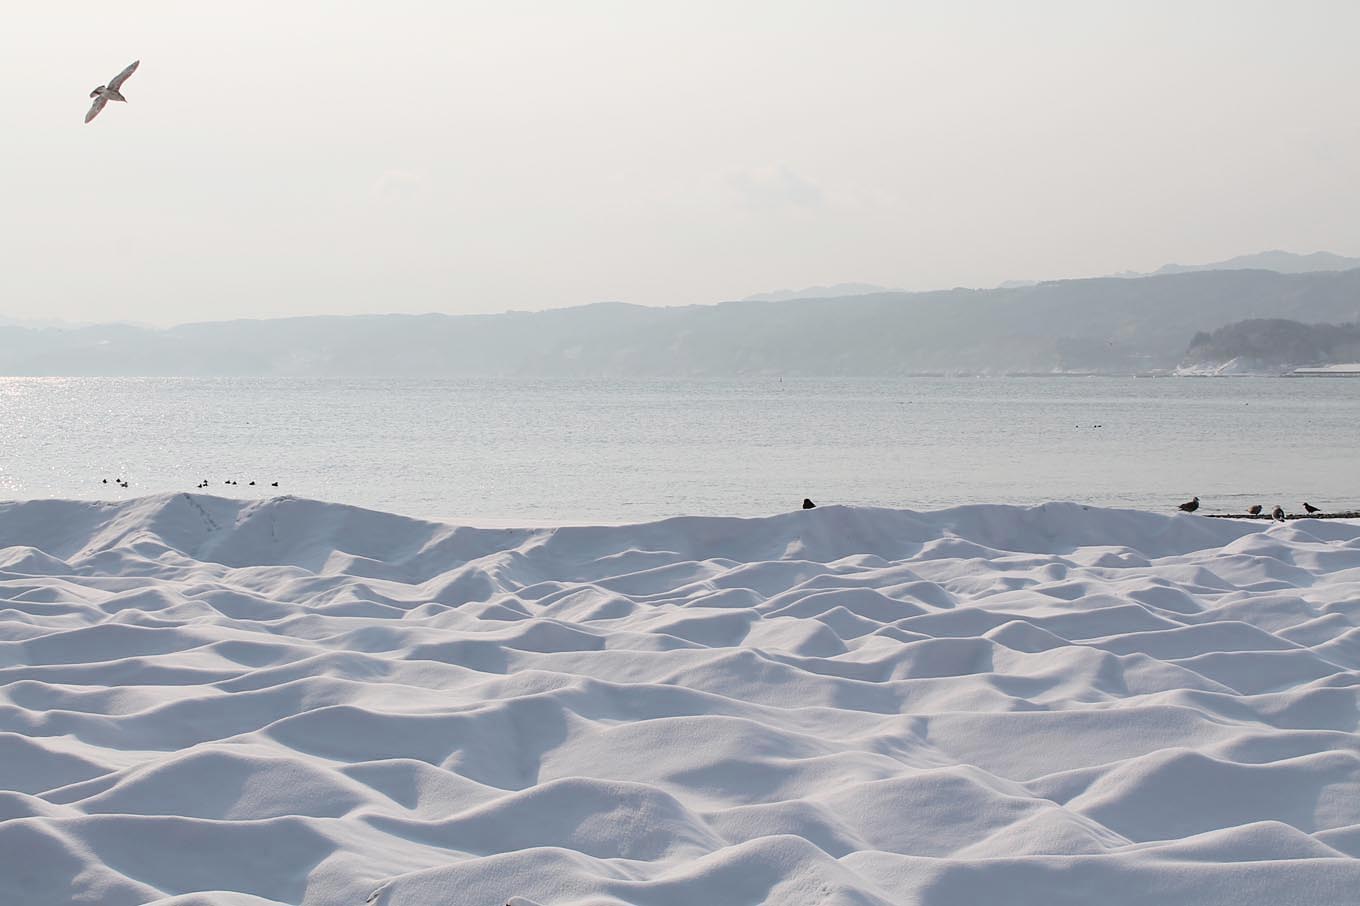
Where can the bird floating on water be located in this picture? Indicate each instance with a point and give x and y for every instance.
(1190, 505)
(1254, 510)
(105, 93)
(1310, 508)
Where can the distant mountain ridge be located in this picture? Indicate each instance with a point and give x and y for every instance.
(835, 291)
(1106, 325)
(1275, 260)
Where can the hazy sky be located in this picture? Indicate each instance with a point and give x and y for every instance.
(302, 157)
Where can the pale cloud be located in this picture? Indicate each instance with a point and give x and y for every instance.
(773, 188)
(396, 186)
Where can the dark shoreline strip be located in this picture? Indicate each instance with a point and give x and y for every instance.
(1349, 514)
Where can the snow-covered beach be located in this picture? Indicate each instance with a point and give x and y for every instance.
(216, 701)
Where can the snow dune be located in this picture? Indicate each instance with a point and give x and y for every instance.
(207, 701)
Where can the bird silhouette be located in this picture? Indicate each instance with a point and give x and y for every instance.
(1254, 510)
(1277, 514)
(1190, 505)
(808, 504)
(274, 485)
(1310, 508)
(105, 93)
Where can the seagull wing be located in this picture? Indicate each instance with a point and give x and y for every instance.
(122, 77)
(97, 106)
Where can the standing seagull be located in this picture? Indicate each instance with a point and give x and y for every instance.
(105, 93)
(1190, 505)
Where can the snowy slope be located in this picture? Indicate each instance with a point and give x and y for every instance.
(210, 701)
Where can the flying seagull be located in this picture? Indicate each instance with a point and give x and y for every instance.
(1310, 508)
(105, 93)
(1190, 505)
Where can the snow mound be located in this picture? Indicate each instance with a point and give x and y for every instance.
(206, 701)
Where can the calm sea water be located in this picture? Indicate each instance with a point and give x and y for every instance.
(507, 451)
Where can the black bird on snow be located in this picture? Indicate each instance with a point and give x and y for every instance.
(274, 485)
(1310, 508)
(1277, 514)
(1190, 505)
(808, 504)
(252, 484)
(1254, 510)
